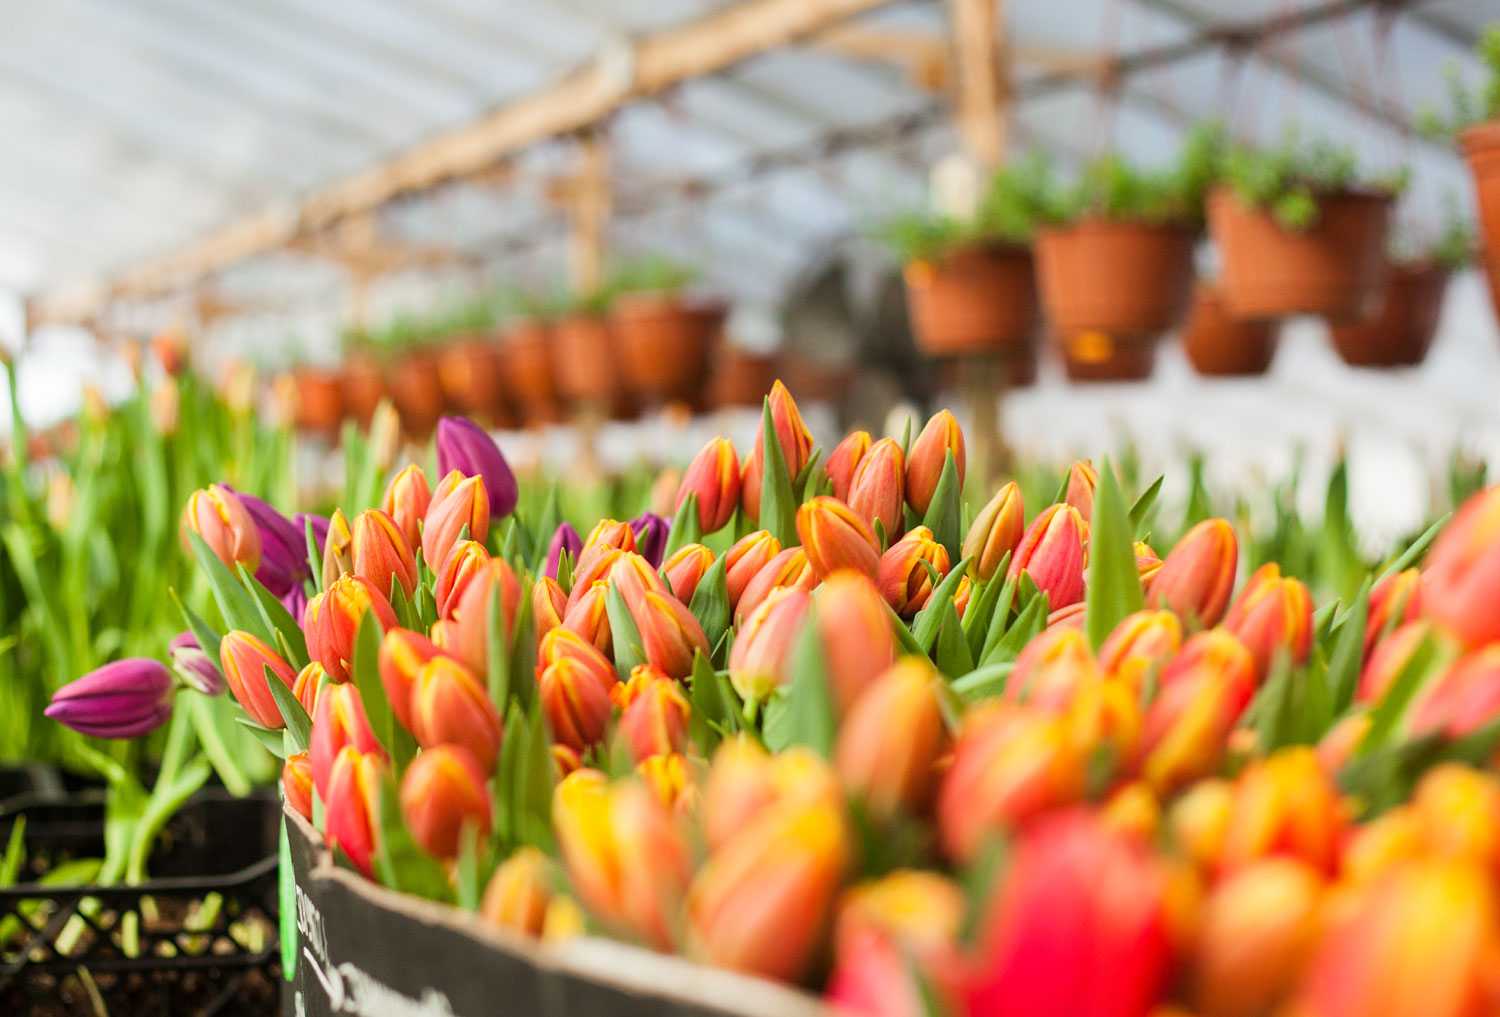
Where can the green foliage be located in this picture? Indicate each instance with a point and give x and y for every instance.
(1017, 198)
(1468, 105)
(655, 273)
(1288, 179)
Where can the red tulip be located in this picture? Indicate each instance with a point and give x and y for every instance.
(332, 620)
(442, 793)
(351, 805)
(1197, 577)
(836, 538)
(714, 476)
(844, 460)
(1051, 553)
(244, 658)
(1461, 584)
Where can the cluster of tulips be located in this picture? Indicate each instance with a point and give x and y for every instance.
(1009, 767)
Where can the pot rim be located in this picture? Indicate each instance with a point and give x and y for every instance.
(1103, 224)
(1480, 137)
(1373, 195)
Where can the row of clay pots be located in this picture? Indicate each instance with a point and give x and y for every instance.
(1481, 146)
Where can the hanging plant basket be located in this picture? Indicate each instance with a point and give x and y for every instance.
(1097, 356)
(526, 355)
(741, 378)
(974, 300)
(1334, 268)
(664, 343)
(417, 390)
(362, 385)
(583, 360)
(1481, 145)
(1219, 345)
(319, 400)
(1130, 280)
(470, 371)
(1400, 332)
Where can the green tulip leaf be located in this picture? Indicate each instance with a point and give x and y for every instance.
(1114, 585)
(778, 502)
(943, 513)
(298, 723)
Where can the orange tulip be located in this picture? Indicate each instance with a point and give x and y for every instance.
(714, 476)
(217, 515)
(1464, 698)
(306, 685)
(589, 616)
(854, 630)
(796, 446)
(1389, 659)
(402, 654)
(332, 620)
(670, 635)
(599, 570)
(924, 461)
(1051, 552)
(381, 553)
(844, 460)
(560, 643)
(653, 713)
(1283, 804)
(1272, 615)
(548, 602)
(1083, 479)
(442, 793)
(340, 721)
(836, 538)
(744, 780)
(608, 535)
(466, 560)
(890, 741)
(450, 707)
(406, 500)
(1204, 689)
(1143, 642)
(1052, 667)
(297, 784)
(1395, 601)
(1461, 584)
(1458, 809)
(760, 656)
(745, 559)
(877, 492)
(1197, 577)
(903, 579)
(519, 893)
(351, 805)
(685, 569)
(456, 504)
(576, 699)
(888, 934)
(996, 531)
(471, 617)
(787, 571)
(244, 658)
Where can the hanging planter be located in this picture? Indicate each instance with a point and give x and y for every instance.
(319, 402)
(417, 390)
(1218, 344)
(1401, 330)
(973, 300)
(362, 385)
(1097, 356)
(1129, 279)
(664, 343)
(526, 353)
(583, 359)
(1481, 146)
(741, 378)
(470, 371)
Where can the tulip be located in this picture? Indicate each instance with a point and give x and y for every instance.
(1071, 617)
(924, 462)
(455, 505)
(714, 478)
(670, 635)
(796, 446)
(877, 492)
(608, 535)
(1258, 929)
(1147, 563)
(218, 515)
(1339, 742)
(1465, 698)
(338, 551)
(306, 686)
(1051, 669)
(1461, 584)
(381, 554)
(651, 532)
(653, 713)
(763, 900)
(283, 547)
(576, 700)
(845, 460)
(761, 653)
(1283, 804)
(1198, 820)
(744, 560)
(1133, 809)
(402, 654)
(1389, 658)
(442, 794)
(333, 619)
(836, 538)
(194, 667)
(1051, 552)
(1395, 601)
(744, 780)
(854, 631)
(565, 538)
(351, 805)
(340, 720)
(471, 618)
(996, 531)
(128, 698)
(1456, 808)
(450, 707)
(788, 570)
(686, 568)
(1272, 615)
(961, 594)
(406, 500)
(890, 741)
(565, 760)
(519, 893)
(887, 932)
(1140, 644)
(548, 602)
(1204, 689)
(1197, 577)
(464, 446)
(602, 569)
(903, 578)
(297, 784)
(1083, 479)
(466, 559)
(563, 642)
(668, 777)
(1386, 842)
(589, 616)
(244, 659)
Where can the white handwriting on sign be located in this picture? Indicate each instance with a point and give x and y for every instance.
(354, 991)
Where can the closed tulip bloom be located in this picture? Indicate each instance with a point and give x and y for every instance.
(566, 538)
(1389, 659)
(1389, 841)
(836, 538)
(1198, 819)
(686, 568)
(890, 741)
(443, 794)
(194, 667)
(789, 570)
(576, 699)
(653, 713)
(351, 805)
(1051, 669)
(450, 707)
(1051, 552)
(333, 618)
(668, 777)
(589, 616)
(1071, 617)
(744, 560)
(1461, 583)
(1338, 744)
(519, 892)
(670, 635)
(1272, 615)
(381, 553)
(961, 594)
(903, 579)
(402, 654)
(714, 477)
(466, 559)
(744, 780)
(796, 447)
(1464, 699)
(1284, 805)
(406, 500)
(464, 446)
(996, 531)
(297, 784)
(283, 547)
(1197, 577)
(338, 549)
(340, 720)
(924, 461)
(602, 569)
(1147, 563)
(1203, 692)
(548, 602)
(244, 658)
(128, 698)
(1142, 643)
(306, 686)
(217, 515)
(471, 618)
(565, 760)
(854, 630)
(889, 933)
(1083, 479)
(844, 460)
(562, 642)
(760, 655)
(651, 532)
(878, 491)
(1395, 601)
(464, 504)
(608, 535)
(1457, 808)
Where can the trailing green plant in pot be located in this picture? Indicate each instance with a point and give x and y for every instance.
(664, 337)
(1300, 230)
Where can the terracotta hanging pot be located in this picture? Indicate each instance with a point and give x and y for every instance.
(665, 343)
(469, 369)
(362, 384)
(1218, 344)
(583, 359)
(1096, 356)
(417, 390)
(1401, 330)
(527, 356)
(1335, 268)
(974, 300)
(1132, 280)
(319, 401)
(741, 378)
(1481, 145)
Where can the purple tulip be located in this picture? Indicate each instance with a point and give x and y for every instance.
(320, 530)
(650, 536)
(129, 698)
(283, 548)
(565, 539)
(295, 602)
(194, 666)
(464, 446)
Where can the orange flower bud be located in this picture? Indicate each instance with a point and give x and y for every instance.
(1082, 481)
(471, 617)
(996, 531)
(305, 686)
(598, 570)
(1338, 744)
(466, 559)
(1051, 668)
(745, 559)
(668, 777)
(796, 446)
(1051, 552)
(381, 553)
(217, 515)
(836, 538)
(789, 570)
(1133, 809)
(759, 657)
(340, 721)
(565, 759)
(890, 741)
(1465, 698)
(714, 476)
(855, 632)
(407, 500)
(685, 569)
(402, 654)
(1386, 842)
(1271, 616)
(1071, 617)
(450, 707)
(455, 504)
(1283, 804)
(562, 642)
(1199, 819)
(743, 779)
(1204, 689)
(888, 934)
(670, 635)
(589, 616)
(961, 594)
(1197, 577)
(332, 619)
(653, 713)
(338, 550)
(1147, 563)
(1143, 642)
(297, 784)
(845, 460)
(443, 793)
(1389, 659)
(1458, 809)
(925, 459)
(519, 892)
(608, 535)
(903, 580)
(576, 699)
(878, 489)
(244, 658)
(1462, 582)
(548, 602)
(1395, 601)
(351, 805)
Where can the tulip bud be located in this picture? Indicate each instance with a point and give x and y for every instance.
(714, 476)
(686, 568)
(845, 460)
(128, 698)
(450, 707)
(338, 554)
(1339, 742)
(1083, 479)
(888, 934)
(519, 892)
(903, 578)
(601, 569)
(576, 699)
(668, 777)
(788, 570)
(283, 548)
(565, 760)
(1389, 659)
(1457, 808)
(194, 667)
(1388, 841)
(456, 504)
(566, 538)
(1051, 669)
(589, 616)
(1461, 584)
(1395, 601)
(836, 538)
(670, 634)
(351, 805)
(1464, 698)
(854, 630)
(1198, 820)
(381, 553)
(961, 594)
(653, 713)
(608, 535)
(1272, 615)
(1204, 689)
(306, 686)
(297, 784)
(442, 794)
(333, 619)
(471, 617)
(406, 500)
(1147, 563)
(761, 652)
(877, 492)
(651, 532)
(1283, 804)
(217, 515)
(924, 462)
(464, 446)
(340, 720)
(796, 446)
(744, 560)
(1051, 552)
(564, 642)
(1142, 643)
(996, 531)
(466, 559)
(244, 659)
(402, 654)
(1197, 577)
(548, 602)
(890, 741)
